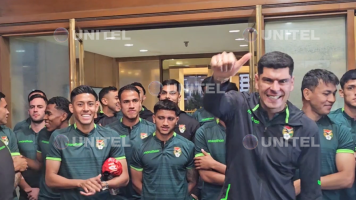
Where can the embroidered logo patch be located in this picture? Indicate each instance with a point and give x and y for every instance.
(143, 135)
(177, 151)
(100, 144)
(5, 140)
(287, 132)
(181, 128)
(328, 134)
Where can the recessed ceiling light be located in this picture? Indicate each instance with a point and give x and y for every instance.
(172, 59)
(128, 45)
(179, 63)
(240, 39)
(122, 71)
(289, 23)
(110, 38)
(20, 51)
(243, 45)
(234, 31)
(143, 50)
(25, 66)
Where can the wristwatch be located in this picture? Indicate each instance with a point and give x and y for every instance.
(106, 186)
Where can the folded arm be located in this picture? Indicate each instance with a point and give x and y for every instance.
(212, 177)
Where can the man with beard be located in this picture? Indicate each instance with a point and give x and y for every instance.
(163, 165)
(144, 112)
(27, 142)
(263, 115)
(57, 116)
(109, 100)
(187, 125)
(132, 130)
(347, 116)
(25, 123)
(78, 152)
(337, 147)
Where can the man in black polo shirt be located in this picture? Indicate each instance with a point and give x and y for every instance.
(7, 173)
(144, 112)
(162, 166)
(109, 100)
(77, 153)
(255, 168)
(25, 123)
(187, 125)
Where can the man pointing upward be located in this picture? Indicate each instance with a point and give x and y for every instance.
(259, 171)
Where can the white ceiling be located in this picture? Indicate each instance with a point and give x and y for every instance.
(168, 41)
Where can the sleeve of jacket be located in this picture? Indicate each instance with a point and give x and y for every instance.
(310, 156)
(220, 103)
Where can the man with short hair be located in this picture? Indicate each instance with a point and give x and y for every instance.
(27, 143)
(144, 112)
(77, 153)
(264, 115)
(163, 165)
(7, 136)
(187, 125)
(57, 116)
(25, 123)
(347, 116)
(132, 129)
(337, 147)
(201, 115)
(109, 100)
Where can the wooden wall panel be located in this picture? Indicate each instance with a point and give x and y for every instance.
(89, 69)
(5, 73)
(38, 10)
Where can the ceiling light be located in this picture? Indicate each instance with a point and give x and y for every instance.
(128, 45)
(136, 74)
(20, 51)
(179, 63)
(122, 71)
(110, 38)
(289, 23)
(143, 50)
(25, 66)
(288, 33)
(234, 31)
(240, 39)
(172, 59)
(130, 72)
(243, 45)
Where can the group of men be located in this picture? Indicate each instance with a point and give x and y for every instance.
(237, 146)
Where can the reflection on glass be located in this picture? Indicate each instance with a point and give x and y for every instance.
(193, 92)
(37, 63)
(312, 43)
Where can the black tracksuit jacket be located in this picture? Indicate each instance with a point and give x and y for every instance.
(266, 171)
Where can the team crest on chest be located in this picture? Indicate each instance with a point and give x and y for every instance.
(288, 132)
(177, 151)
(5, 140)
(181, 128)
(143, 135)
(328, 134)
(100, 144)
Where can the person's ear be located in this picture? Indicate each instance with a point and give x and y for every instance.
(71, 108)
(307, 94)
(341, 93)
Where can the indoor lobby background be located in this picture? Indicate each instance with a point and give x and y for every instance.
(181, 52)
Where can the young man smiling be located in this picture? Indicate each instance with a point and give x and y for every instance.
(337, 147)
(132, 129)
(163, 165)
(78, 152)
(259, 116)
(57, 116)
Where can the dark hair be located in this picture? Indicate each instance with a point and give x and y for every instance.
(36, 96)
(105, 91)
(2, 95)
(349, 75)
(171, 82)
(166, 105)
(275, 60)
(35, 91)
(82, 89)
(61, 104)
(128, 88)
(139, 85)
(312, 78)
